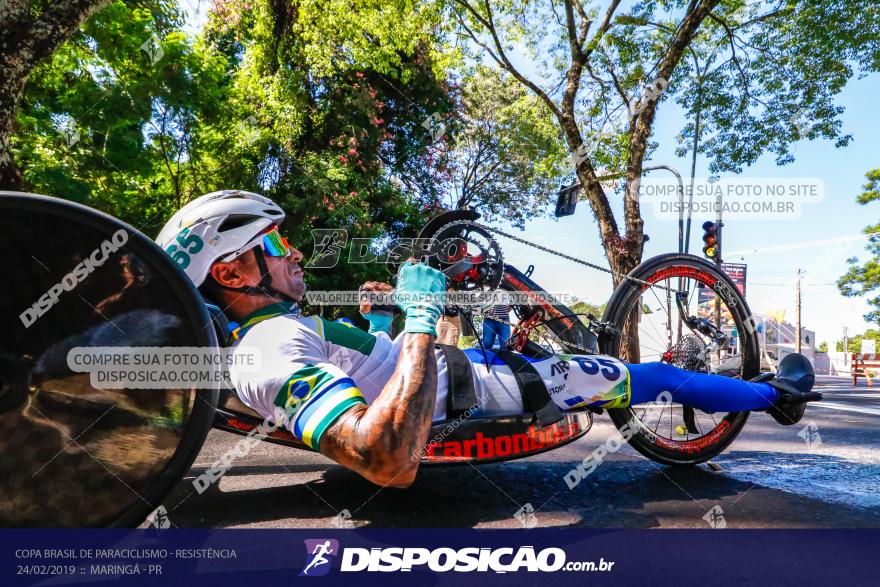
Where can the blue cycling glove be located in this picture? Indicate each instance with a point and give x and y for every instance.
(379, 322)
(419, 294)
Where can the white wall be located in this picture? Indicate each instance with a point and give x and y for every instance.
(833, 363)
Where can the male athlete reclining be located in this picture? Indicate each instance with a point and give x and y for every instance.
(366, 400)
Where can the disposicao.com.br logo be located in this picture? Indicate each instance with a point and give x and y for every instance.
(444, 559)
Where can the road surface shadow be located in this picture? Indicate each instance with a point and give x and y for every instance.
(757, 489)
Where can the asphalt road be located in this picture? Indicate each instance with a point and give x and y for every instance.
(770, 477)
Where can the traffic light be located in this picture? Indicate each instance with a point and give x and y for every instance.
(710, 239)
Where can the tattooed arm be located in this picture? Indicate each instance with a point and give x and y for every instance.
(382, 441)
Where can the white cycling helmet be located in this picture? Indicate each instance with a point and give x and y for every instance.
(219, 225)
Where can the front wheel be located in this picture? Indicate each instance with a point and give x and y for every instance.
(651, 326)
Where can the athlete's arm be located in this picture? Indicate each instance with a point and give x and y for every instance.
(382, 441)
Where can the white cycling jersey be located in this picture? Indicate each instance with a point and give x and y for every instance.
(315, 370)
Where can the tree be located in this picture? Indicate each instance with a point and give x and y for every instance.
(584, 308)
(115, 118)
(30, 31)
(864, 279)
(762, 74)
(337, 94)
(134, 117)
(854, 344)
(823, 347)
(504, 155)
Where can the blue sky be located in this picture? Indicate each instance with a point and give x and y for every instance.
(771, 272)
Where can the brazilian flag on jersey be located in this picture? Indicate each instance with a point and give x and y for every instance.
(316, 397)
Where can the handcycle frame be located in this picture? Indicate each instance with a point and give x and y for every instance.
(518, 436)
(462, 440)
(141, 279)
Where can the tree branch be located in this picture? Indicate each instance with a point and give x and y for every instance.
(603, 28)
(775, 13)
(617, 85)
(55, 25)
(501, 58)
(730, 38)
(573, 46)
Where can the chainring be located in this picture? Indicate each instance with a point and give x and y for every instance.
(468, 255)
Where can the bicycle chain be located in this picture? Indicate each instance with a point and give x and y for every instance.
(567, 257)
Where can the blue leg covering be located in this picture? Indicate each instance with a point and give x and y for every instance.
(709, 393)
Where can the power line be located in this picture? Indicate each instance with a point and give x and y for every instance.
(789, 284)
(797, 246)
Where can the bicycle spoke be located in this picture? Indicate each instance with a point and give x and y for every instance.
(654, 339)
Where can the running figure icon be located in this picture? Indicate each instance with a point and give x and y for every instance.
(318, 556)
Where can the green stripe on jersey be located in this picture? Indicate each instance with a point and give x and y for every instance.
(331, 417)
(348, 336)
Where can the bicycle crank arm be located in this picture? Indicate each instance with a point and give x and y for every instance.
(690, 420)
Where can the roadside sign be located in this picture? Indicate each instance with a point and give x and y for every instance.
(737, 274)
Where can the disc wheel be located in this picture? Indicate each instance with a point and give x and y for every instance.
(650, 328)
(73, 454)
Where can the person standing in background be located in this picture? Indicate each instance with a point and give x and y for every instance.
(496, 326)
(449, 324)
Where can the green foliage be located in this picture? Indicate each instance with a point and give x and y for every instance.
(764, 75)
(322, 105)
(318, 107)
(335, 99)
(98, 121)
(771, 74)
(584, 308)
(864, 279)
(854, 344)
(823, 347)
(505, 155)
(467, 342)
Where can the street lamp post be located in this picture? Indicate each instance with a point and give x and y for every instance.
(567, 198)
(567, 201)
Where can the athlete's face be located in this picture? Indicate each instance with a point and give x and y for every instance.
(287, 274)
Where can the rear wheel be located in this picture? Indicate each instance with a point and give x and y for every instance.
(73, 453)
(650, 327)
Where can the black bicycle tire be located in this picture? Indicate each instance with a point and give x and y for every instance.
(619, 306)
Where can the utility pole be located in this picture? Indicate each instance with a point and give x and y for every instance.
(797, 347)
(718, 249)
(845, 345)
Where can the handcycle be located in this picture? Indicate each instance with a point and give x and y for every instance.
(74, 454)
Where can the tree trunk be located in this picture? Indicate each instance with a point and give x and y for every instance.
(11, 91)
(25, 41)
(595, 195)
